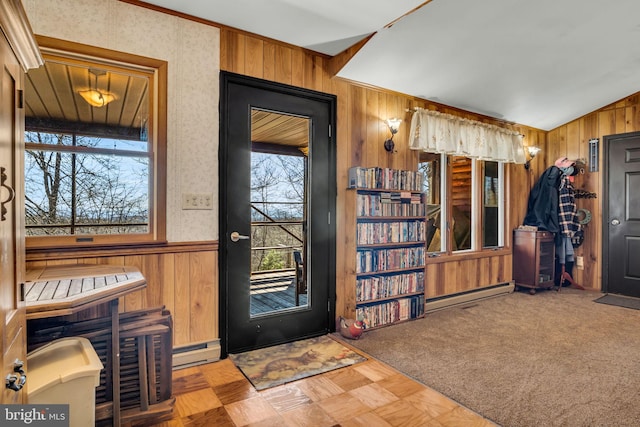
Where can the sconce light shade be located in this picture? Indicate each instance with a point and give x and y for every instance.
(394, 125)
(96, 98)
(532, 151)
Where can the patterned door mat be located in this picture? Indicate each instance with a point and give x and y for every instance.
(272, 366)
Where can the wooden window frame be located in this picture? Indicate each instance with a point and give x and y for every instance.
(158, 140)
(477, 176)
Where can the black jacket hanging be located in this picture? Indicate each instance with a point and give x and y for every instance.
(542, 207)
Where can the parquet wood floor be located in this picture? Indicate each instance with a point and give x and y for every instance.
(368, 394)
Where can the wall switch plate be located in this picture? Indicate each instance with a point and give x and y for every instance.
(197, 201)
(580, 262)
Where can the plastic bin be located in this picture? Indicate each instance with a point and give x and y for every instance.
(65, 371)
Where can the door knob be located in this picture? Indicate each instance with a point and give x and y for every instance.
(615, 222)
(235, 236)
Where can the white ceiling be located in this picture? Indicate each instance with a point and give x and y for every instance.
(539, 63)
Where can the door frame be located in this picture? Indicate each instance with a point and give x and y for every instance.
(227, 79)
(605, 203)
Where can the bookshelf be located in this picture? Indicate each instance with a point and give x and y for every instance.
(389, 248)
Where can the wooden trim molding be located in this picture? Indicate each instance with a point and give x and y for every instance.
(17, 30)
(46, 254)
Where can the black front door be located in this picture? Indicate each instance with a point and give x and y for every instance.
(277, 204)
(621, 217)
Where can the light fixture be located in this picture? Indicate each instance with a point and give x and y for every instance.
(96, 97)
(532, 151)
(394, 125)
(594, 151)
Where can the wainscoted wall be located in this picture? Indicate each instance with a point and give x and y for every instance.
(181, 277)
(184, 276)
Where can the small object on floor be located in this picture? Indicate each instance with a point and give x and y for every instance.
(349, 328)
(565, 275)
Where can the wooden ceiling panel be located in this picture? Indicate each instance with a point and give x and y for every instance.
(52, 97)
(280, 129)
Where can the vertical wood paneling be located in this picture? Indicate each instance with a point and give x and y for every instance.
(375, 128)
(345, 205)
(269, 61)
(620, 120)
(203, 269)
(314, 75)
(433, 283)
(235, 51)
(297, 68)
(182, 314)
(186, 284)
(254, 61)
(283, 65)
(358, 125)
(619, 117)
(573, 140)
(167, 268)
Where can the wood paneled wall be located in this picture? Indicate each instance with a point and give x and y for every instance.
(572, 140)
(182, 278)
(186, 280)
(361, 111)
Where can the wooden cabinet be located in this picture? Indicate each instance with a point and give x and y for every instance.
(533, 259)
(18, 52)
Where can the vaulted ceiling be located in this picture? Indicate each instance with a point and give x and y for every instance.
(539, 63)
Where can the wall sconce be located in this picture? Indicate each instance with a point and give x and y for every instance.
(532, 151)
(394, 125)
(96, 97)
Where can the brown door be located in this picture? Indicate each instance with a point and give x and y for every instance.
(12, 310)
(621, 217)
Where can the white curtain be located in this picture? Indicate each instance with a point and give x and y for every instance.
(436, 132)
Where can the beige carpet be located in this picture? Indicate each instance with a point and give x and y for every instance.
(549, 359)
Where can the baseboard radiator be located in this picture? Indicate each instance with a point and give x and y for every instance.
(468, 297)
(196, 354)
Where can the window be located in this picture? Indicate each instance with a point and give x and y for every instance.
(94, 149)
(464, 200)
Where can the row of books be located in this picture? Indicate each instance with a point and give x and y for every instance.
(385, 178)
(378, 287)
(391, 311)
(372, 233)
(389, 204)
(374, 260)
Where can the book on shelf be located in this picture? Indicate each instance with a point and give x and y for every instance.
(373, 233)
(393, 311)
(385, 178)
(389, 204)
(375, 260)
(377, 287)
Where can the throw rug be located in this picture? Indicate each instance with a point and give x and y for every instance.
(620, 301)
(280, 364)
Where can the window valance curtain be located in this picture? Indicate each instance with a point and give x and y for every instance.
(436, 132)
